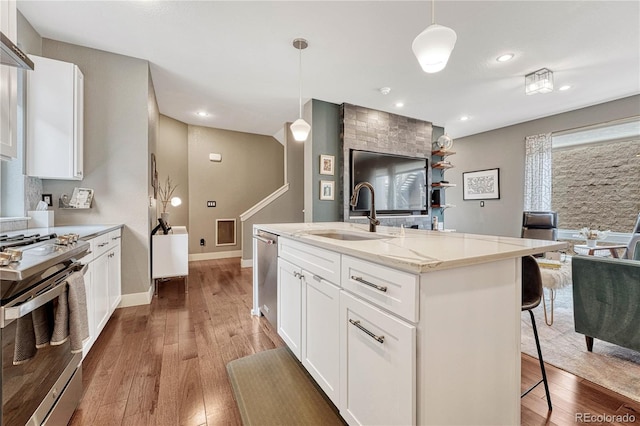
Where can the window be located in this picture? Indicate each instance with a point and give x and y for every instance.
(595, 176)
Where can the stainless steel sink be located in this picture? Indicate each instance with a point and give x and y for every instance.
(349, 235)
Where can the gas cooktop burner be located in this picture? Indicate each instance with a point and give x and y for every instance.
(23, 240)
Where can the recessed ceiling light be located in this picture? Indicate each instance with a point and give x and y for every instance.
(565, 87)
(399, 104)
(202, 114)
(464, 118)
(505, 57)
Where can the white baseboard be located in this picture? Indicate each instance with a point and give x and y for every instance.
(137, 299)
(246, 263)
(215, 255)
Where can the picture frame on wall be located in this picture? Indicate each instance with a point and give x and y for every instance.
(481, 185)
(327, 189)
(154, 176)
(327, 163)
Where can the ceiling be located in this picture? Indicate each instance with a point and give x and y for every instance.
(236, 61)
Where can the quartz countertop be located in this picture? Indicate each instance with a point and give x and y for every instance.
(86, 232)
(417, 250)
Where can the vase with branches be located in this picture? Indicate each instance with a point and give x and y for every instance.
(165, 192)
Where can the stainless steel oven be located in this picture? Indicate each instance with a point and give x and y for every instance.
(46, 388)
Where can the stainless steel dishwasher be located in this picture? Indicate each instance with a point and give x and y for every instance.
(267, 248)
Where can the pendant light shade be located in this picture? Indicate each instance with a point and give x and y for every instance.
(300, 128)
(434, 45)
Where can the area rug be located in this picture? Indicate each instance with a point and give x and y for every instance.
(609, 365)
(272, 388)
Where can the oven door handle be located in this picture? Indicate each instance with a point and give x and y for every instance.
(34, 300)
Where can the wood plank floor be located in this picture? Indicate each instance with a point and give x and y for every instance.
(164, 363)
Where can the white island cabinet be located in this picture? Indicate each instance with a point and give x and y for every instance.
(421, 324)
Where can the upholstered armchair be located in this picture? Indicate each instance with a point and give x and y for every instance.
(606, 300)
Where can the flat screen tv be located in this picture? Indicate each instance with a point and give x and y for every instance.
(400, 183)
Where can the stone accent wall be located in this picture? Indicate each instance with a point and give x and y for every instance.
(378, 131)
(597, 186)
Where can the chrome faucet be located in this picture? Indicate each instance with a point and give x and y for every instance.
(373, 222)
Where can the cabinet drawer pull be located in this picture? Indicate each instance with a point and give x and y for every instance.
(298, 275)
(357, 324)
(365, 282)
(116, 238)
(103, 244)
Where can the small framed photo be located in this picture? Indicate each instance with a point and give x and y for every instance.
(48, 198)
(326, 164)
(326, 189)
(481, 185)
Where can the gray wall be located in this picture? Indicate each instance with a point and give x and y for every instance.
(252, 167)
(325, 140)
(288, 208)
(504, 148)
(118, 107)
(172, 160)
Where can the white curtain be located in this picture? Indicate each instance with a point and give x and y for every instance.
(537, 173)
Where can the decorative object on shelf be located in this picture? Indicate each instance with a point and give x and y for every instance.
(592, 235)
(63, 201)
(165, 192)
(300, 128)
(48, 198)
(481, 185)
(444, 142)
(326, 189)
(540, 81)
(81, 198)
(434, 45)
(326, 164)
(442, 165)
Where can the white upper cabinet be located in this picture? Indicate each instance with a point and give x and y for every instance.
(8, 86)
(55, 92)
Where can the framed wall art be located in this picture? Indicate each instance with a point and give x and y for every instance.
(327, 164)
(481, 185)
(327, 189)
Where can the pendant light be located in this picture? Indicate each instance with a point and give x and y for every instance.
(300, 128)
(434, 45)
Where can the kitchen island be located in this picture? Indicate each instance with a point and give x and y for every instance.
(404, 326)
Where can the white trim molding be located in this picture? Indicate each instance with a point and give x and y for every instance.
(264, 202)
(215, 255)
(137, 299)
(246, 263)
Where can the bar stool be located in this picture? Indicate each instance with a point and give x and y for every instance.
(531, 296)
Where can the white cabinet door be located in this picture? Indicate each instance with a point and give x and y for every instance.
(101, 291)
(8, 86)
(54, 120)
(114, 276)
(321, 333)
(289, 305)
(377, 365)
(88, 288)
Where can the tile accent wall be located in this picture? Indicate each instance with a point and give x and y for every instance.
(378, 131)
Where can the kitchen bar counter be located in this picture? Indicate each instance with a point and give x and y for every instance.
(418, 250)
(434, 317)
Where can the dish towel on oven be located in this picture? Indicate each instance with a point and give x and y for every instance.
(71, 321)
(32, 332)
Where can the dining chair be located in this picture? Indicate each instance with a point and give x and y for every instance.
(540, 225)
(531, 297)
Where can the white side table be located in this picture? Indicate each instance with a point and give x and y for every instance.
(170, 256)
